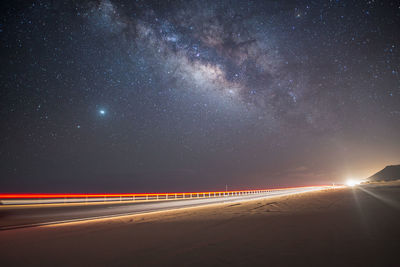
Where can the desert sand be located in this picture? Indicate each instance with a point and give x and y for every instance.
(337, 227)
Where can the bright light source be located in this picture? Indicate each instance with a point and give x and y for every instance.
(352, 182)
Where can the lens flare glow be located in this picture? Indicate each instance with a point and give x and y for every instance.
(352, 182)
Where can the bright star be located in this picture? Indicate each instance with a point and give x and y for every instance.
(102, 112)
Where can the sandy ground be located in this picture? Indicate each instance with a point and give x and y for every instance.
(341, 227)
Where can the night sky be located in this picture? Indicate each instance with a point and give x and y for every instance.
(134, 96)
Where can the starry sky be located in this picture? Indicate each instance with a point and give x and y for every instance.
(134, 96)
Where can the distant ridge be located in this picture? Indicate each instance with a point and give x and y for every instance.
(389, 173)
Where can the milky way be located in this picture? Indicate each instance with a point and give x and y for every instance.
(190, 95)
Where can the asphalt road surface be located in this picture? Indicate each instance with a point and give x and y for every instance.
(21, 217)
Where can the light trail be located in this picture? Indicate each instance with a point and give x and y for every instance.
(55, 198)
(79, 195)
(52, 215)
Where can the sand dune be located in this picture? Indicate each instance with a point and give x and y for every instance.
(342, 227)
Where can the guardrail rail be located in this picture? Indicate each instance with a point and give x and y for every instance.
(26, 199)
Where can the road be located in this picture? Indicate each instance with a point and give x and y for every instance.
(21, 217)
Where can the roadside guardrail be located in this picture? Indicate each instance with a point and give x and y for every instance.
(26, 199)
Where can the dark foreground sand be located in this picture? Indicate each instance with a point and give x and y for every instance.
(342, 227)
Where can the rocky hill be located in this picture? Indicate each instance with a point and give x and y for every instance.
(389, 173)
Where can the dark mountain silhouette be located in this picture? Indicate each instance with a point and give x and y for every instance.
(389, 173)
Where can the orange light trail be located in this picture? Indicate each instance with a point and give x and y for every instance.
(78, 195)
